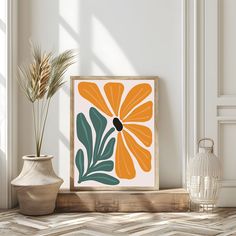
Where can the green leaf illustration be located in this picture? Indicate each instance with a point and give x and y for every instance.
(103, 166)
(102, 178)
(98, 153)
(84, 134)
(107, 153)
(99, 124)
(79, 161)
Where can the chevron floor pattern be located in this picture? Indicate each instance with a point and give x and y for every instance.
(220, 222)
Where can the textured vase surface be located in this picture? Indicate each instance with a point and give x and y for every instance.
(204, 174)
(37, 186)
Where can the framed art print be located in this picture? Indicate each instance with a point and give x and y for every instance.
(114, 136)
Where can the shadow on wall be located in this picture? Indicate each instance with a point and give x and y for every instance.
(114, 38)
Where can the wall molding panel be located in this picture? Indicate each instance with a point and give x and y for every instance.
(194, 86)
(12, 98)
(185, 67)
(220, 98)
(199, 71)
(226, 111)
(226, 37)
(212, 107)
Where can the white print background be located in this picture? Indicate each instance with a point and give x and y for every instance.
(142, 178)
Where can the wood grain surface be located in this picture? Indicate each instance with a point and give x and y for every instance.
(123, 201)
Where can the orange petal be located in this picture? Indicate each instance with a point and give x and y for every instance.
(91, 92)
(141, 113)
(114, 93)
(124, 164)
(143, 133)
(134, 97)
(142, 155)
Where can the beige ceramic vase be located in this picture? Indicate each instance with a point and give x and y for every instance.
(37, 186)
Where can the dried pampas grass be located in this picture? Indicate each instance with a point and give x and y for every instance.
(39, 81)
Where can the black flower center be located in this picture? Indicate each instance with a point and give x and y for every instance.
(118, 125)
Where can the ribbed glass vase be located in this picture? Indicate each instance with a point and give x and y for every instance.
(203, 175)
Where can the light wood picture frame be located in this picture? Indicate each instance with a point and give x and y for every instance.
(114, 133)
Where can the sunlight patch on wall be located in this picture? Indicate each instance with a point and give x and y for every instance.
(68, 25)
(68, 28)
(98, 69)
(110, 54)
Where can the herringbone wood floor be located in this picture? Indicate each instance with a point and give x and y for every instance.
(220, 222)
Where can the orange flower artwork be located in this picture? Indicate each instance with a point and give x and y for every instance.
(128, 109)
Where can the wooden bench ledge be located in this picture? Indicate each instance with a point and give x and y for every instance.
(168, 200)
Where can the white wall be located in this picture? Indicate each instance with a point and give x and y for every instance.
(126, 37)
